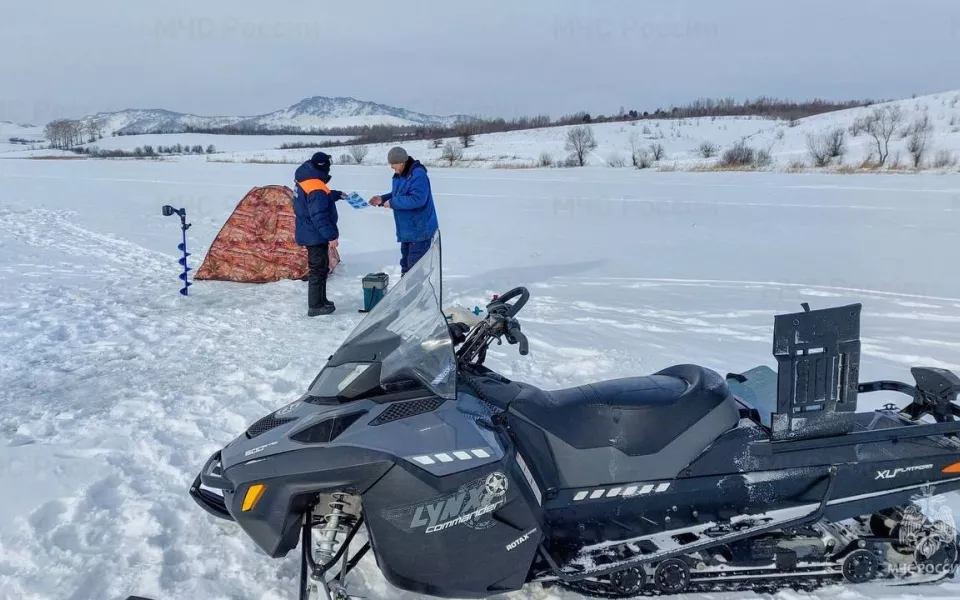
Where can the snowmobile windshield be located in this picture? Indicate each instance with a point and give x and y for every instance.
(405, 334)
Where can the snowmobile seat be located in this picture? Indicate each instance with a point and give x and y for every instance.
(637, 415)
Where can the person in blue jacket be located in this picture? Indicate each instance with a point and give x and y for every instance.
(412, 203)
(314, 205)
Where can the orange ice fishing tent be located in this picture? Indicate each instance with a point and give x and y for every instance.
(256, 244)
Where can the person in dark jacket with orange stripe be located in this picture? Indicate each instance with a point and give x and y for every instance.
(315, 206)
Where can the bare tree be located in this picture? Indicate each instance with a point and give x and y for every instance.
(708, 149)
(944, 158)
(657, 151)
(359, 153)
(465, 133)
(94, 127)
(452, 152)
(836, 143)
(615, 160)
(642, 160)
(52, 131)
(818, 146)
(635, 149)
(75, 132)
(920, 133)
(740, 154)
(580, 141)
(64, 133)
(880, 124)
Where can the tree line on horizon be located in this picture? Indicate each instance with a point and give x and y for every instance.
(64, 133)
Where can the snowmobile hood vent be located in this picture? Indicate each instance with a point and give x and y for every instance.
(402, 410)
(327, 430)
(266, 424)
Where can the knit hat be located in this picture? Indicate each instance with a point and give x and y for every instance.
(397, 155)
(321, 161)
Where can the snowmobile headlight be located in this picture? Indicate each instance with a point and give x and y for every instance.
(254, 493)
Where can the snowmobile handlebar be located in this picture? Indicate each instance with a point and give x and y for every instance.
(500, 322)
(500, 305)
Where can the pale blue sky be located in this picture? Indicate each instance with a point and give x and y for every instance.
(498, 57)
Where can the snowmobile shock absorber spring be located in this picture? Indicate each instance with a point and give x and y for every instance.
(333, 525)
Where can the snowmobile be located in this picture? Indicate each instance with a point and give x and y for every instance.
(467, 484)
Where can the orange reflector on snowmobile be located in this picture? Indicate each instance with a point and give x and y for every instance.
(254, 492)
(954, 468)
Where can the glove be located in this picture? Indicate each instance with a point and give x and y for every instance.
(336, 195)
(458, 332)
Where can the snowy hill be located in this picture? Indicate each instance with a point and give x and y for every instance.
(15, 137)
(317, 112)
(681, 143)
(140, 121)
(689, 144)
(320, 111)
(8, 126)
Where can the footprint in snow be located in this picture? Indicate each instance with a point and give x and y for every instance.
(48, 517)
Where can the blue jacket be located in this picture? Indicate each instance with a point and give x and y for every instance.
(315, 206)
(412, 203)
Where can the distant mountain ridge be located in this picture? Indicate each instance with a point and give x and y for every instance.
(316, 113)
(18, 125)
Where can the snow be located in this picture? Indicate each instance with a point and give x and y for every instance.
(114, 388)
(221, 143)
(22, 131)
(680, 139)
(310, 113)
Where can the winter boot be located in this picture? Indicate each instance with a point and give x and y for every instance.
(326, 309)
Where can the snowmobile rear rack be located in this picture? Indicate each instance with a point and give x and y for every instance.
(859, 437)
(817, 387)
(934, 394)
(818, 356)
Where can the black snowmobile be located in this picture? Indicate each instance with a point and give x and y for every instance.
(467, 484)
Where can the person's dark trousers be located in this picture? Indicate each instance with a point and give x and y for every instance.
(410, 253)
(318, 257)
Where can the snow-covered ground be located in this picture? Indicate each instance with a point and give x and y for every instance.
(114, 388)
(20, 131)
(680, 140)
(221, 143)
